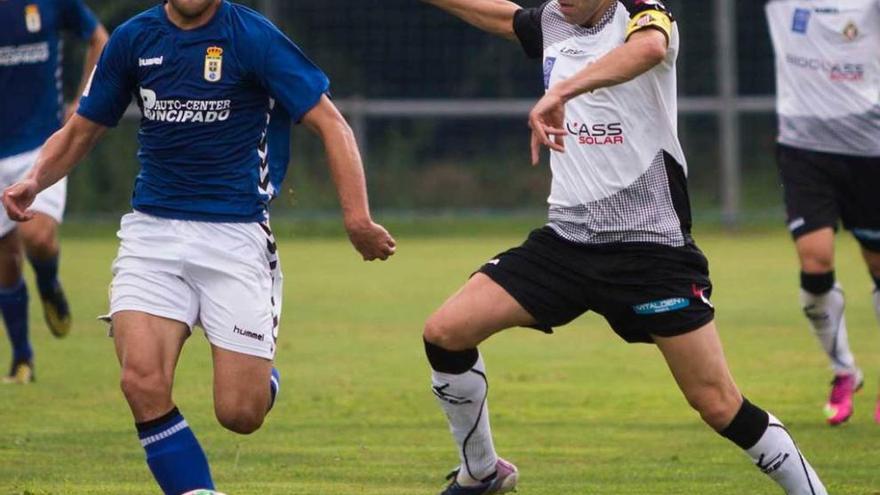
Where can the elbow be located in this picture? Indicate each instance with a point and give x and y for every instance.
(99, 38)
(655, 50)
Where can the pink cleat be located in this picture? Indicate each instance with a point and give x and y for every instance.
(840, 405)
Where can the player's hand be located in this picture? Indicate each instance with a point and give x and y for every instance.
(547, 121)
(18, 197)
(371, 240)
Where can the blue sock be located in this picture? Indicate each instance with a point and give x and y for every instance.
(174, 455)
(14, 306)
(47, 274)
(274, 386)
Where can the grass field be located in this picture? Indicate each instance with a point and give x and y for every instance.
(579, 412)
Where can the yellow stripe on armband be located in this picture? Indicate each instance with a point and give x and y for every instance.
(650, 19)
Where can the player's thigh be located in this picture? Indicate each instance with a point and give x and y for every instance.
(241, 385)
(697, 362)
(816, 250)
(477, 311)
(148, 348)
(236, 273)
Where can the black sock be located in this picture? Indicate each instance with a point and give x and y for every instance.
(748, 426)
(452, 362)
(817, 283)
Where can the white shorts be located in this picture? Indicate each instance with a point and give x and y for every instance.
(50, 202)
(224, 277)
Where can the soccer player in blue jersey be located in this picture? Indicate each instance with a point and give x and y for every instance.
(197, 249)
(30, 111)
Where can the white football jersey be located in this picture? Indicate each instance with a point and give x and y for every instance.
(828, 74)
(622, 176)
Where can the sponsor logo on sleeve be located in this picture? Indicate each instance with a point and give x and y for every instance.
(32, 18)
(660, 307)
(214, 64)
(801, 21)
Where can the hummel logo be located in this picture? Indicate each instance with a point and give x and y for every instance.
(249, 334)
(772, 464)
(494, 262)
(439, 391)
(147, 62)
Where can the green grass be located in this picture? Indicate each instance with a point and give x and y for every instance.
(579, 412)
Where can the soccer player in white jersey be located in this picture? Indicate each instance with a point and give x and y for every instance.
(828, 84)
(618, 241)
(197, 249)
(31, 109)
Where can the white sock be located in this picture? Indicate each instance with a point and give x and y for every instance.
(825, 313)
(778, 457)
(464, 400)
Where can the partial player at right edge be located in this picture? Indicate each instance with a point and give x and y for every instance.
(618, 241)
(828, 84)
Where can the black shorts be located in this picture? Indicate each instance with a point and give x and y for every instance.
(821, 189)
(641, 289)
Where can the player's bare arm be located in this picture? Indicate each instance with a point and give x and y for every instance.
(93, 53)
(643, 51)
(346, 167)
(492, 16)
(62, 152)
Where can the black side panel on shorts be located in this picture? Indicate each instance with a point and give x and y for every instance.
(527, 26)
(678, 189)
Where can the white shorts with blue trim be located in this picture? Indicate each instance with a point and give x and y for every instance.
(50, 202)
(223, 277)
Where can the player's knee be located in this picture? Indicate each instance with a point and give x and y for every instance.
(441, 334)
(239, 419)
(716, 405)
(41, 243)
(817, 260)
(144, 388)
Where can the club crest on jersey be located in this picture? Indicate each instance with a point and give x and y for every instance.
(32, 18)
(851, 31)
(214, 64)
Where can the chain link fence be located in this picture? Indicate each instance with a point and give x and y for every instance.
(440, 110)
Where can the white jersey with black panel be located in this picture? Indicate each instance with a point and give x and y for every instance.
(828, 74)
(622, 176)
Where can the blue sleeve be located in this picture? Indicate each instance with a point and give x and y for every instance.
(289, 76)
(109, 90)
(77, 18)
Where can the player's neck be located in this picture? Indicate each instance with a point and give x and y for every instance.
(597, 16)
(187, 23)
